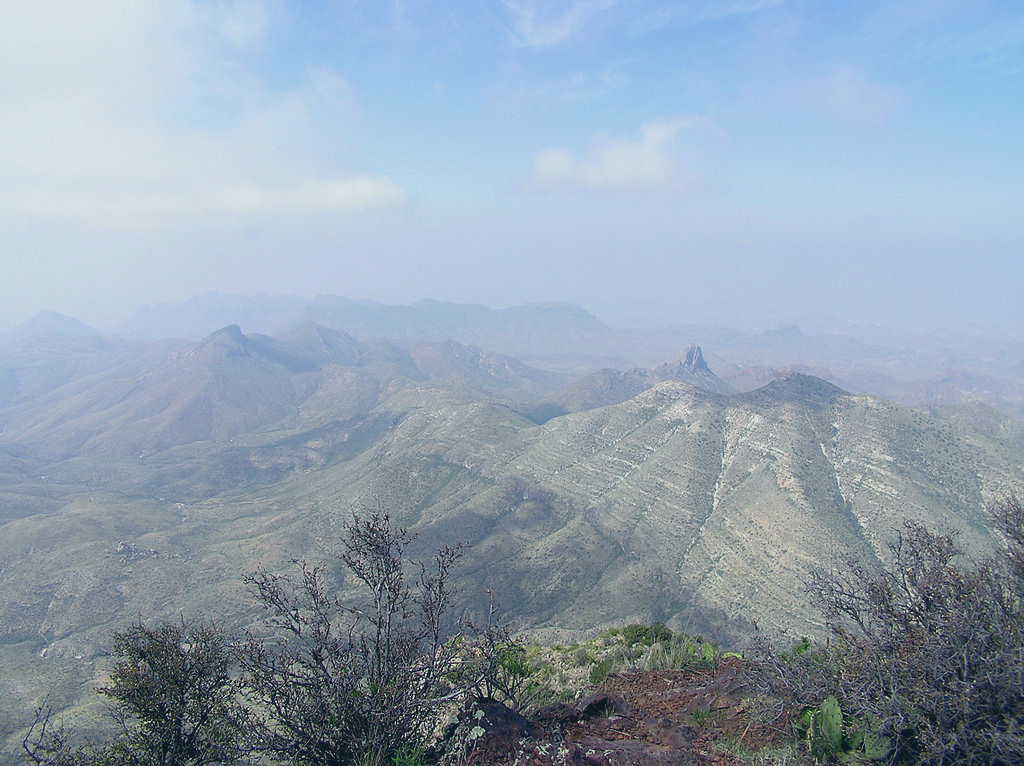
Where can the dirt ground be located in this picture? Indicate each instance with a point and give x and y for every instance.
(696, 717)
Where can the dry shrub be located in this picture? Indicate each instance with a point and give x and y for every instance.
(928, 653)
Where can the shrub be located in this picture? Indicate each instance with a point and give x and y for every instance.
(172, 697)
(680, 653)
(496, 666)
(646, 635)
(926, 656)
(342, 684)
(599, 671)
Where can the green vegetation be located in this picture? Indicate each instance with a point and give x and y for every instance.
(330, 684)
(334, 684)
(599, 671)
(829, 735)
(702, 716)
(172, 698)
(567, 672)
(920, 660)
(647, 635)
(185, 470)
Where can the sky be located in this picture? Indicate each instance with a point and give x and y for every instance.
(745, 161)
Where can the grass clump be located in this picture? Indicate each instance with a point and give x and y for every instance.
(567, 672)
(599, 671)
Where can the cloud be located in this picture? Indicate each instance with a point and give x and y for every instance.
(539, 24)
(242, 22)
(150, 113)
(970, 34)
(692, 14)
(616, 164)
(341, 194)
(155, 208)
(571, 89)
(849, 95)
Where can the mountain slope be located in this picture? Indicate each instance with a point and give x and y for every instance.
(47, 324)
(230, 384)
(712, 510)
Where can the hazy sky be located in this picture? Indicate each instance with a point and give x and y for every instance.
(669, 161)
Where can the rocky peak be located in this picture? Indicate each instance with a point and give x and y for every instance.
(232, 334)
(688, 367)
(693, 359)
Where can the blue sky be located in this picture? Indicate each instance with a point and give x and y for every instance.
(754, 161)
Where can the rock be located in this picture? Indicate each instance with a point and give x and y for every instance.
(601, 752)
(557, 712)
(490, 734)
(638, 719)
(596, 705)
(693, 358)
(486, 732)
(600, 704)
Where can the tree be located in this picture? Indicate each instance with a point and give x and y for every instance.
(343, 684)
(172, 697)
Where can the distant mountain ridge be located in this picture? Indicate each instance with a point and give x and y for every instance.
(951, 373)
(609, 386)
(48, 324)
(230, 383)
(532, 331)
(200, 315)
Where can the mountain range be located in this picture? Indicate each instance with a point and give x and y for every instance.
(143, 477)
(952, 371)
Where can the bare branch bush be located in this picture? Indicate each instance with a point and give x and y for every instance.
(928, 653)
(48, 742)
(342, 684)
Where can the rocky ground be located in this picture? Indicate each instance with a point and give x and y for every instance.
(693, 717)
